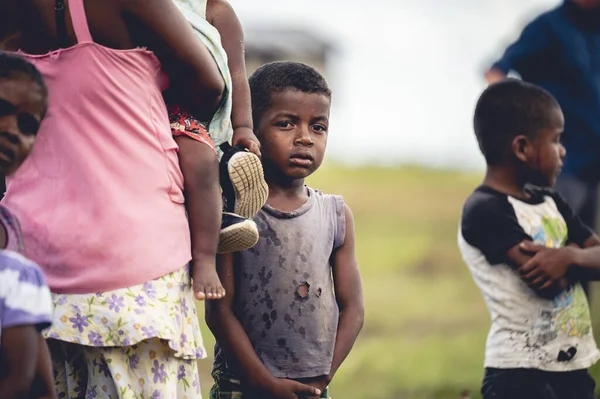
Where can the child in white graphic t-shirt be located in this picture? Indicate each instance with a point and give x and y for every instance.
(527, 251)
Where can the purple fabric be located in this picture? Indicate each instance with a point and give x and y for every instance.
(24, 296)
(12, 317)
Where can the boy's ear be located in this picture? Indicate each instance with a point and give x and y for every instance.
(521, 147)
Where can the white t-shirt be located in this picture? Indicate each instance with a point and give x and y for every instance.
(198, 6)
(527, 331)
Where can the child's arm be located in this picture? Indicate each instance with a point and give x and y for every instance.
(44, 380)
(548, 265)
(20, 345)
(490, 225)
(221, 15)
(234, 341)
(575, 260)
(349, 296)
(519, 256)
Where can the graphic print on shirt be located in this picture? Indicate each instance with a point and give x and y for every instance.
(570, 316)
(551, 233)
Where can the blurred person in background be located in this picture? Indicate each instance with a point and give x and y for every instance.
(560, 51)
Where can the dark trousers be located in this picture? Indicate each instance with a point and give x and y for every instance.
(582, 197)
(536, 384)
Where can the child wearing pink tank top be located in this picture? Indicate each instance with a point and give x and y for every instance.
(102, 209)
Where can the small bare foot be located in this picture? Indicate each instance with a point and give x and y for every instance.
(206, 281)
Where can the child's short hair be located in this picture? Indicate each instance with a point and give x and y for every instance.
(11, 65)
(507, 109)
(279, 76)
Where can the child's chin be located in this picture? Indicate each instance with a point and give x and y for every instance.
(299, 173)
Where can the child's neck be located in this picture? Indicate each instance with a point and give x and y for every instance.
(505, 180)
(286, 194)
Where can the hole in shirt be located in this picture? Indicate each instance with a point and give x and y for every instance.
(303, 290)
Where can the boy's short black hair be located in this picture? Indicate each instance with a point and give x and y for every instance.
(11, 65)
(278, 76)
(507, 109)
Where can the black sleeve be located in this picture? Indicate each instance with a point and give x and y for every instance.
(489, 224)
(578, 233)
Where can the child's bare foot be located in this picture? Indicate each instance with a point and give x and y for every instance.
(206, 281)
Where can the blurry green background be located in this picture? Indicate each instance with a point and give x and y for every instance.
(426, 322)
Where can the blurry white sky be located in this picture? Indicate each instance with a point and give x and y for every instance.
(408, 72)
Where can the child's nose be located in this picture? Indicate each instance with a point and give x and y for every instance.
(562, 151)
(304, 136)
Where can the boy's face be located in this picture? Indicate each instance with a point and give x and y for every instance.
(546, 152)
(22, 105)
(293, 133)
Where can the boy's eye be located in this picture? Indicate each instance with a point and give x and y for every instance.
(557, 138)
(283, 124)
(320, 128)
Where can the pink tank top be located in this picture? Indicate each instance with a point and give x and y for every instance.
(100, 199)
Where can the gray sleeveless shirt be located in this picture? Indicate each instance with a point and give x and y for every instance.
(284, 290)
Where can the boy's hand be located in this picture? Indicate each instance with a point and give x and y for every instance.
(548, 265)
(321, 383)
(289, 389)
(245, 137)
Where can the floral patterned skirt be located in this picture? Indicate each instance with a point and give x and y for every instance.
(145, 370)
(162, 309)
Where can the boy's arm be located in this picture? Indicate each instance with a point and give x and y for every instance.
(520, 255)
(349, 296)
(579, 259)
(221, 15)
(20, 345)
(234, 341)
(549, 264)
(489, 224)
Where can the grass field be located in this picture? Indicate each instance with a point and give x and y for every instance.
(426, 323)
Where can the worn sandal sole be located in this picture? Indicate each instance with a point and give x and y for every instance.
(238, 237)
(248, 181)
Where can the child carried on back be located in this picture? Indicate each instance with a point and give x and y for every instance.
(240, 172)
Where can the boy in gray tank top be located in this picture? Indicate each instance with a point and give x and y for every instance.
(281, 330)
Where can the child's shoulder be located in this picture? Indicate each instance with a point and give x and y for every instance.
(335, 202)
(16, 268)
(334, 209)
(325, 197)
(484, 200)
